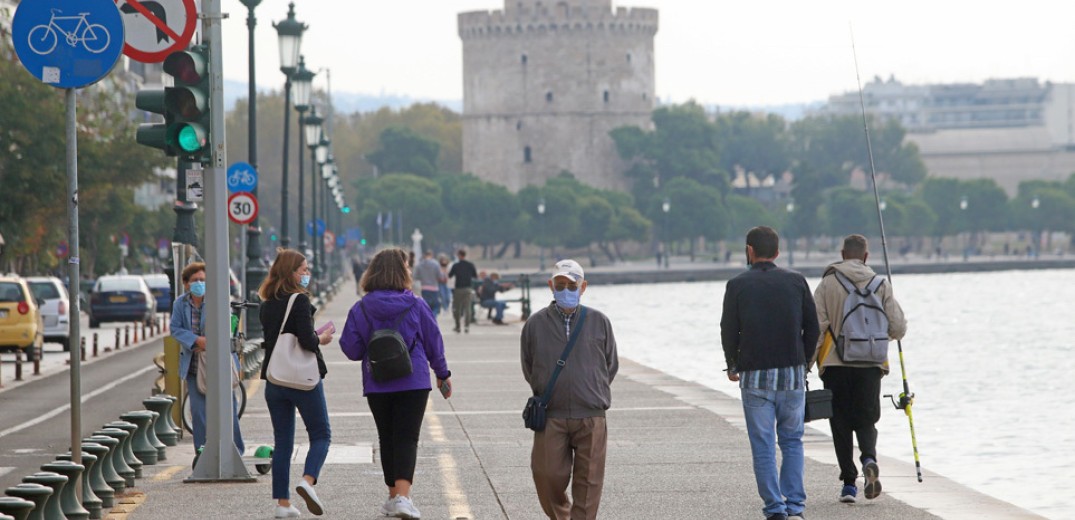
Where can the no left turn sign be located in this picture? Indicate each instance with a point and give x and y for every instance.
(242, 207)
(156, 28)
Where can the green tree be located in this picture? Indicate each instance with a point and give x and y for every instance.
(755, 143)
(417, 200)
(404, 151)
(482, 213)
(835, 146)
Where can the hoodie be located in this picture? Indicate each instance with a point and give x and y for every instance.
(419, 329)
(830, 296)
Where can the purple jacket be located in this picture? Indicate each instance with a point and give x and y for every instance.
(383, 308)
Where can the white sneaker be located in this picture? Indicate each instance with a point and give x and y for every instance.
(389, 507)
(313, 504)
(405, 508)
(287, 512)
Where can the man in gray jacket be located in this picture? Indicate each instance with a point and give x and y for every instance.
(572, 447)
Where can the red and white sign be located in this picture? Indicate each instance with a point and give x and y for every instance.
(156, 28)
(242, 207)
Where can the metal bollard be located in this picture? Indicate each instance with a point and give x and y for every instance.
(95, 351)
(135, 332)
(127, 335)
(82, 349)
(18, 365)
(144, 335)
(37, 360)
(166, 324)
(117, 339)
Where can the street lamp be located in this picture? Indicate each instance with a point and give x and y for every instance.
(1034, 205)
(966, 243)
(254, 269)
(328, 170)
(541, 216)
(666, 207)
(791, 239)
(289, 33)
(303, 79)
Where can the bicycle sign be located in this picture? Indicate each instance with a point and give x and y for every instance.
(242, 177)
(68, 43)
(242, 207)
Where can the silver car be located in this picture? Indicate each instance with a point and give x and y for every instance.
(54, 312)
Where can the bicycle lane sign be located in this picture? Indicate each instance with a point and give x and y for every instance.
(68, 43)
(242, 177)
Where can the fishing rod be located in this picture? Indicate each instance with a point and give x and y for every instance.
(906, 399)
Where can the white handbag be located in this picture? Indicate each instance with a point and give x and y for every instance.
(291, 365)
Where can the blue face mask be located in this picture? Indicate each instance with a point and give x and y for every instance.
(197, 288)
(567, 298)
(304, 280)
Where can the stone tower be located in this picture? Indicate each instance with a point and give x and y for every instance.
(545, 81)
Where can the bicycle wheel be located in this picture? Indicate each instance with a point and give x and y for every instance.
(240, 399)
(187, 421)
(95, 38)
(42, 39)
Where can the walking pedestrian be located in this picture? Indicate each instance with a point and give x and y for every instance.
(571, 449)
(427, 273)
(464, 273)
(856, 387)
(289, 275)
(769, 331)
(442, 282)
(398, 404)
(188, 328)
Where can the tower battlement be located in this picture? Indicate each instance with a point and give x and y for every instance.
(551, 20)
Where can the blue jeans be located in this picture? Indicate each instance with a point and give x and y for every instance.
(197, 416)
(433, 299)
(282, 403)
(498, 305)
(776, 417)
(445, 296)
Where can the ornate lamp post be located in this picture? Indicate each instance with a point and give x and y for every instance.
(1034, 205)
(963, 209)
(255, 268)
(303, 79)
(791, 239)
(666, 207)
(289, 33)
(328, 170)
(541, 216)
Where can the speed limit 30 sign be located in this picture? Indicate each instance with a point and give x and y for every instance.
(242, 207)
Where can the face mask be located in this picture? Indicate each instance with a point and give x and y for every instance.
(304, 280)
(197, 288)
(567, 298)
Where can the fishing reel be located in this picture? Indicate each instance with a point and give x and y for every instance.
(905, 402)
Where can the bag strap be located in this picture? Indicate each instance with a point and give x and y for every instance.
(290, 302)
(875, 284)
(560, 363)
(845, 282)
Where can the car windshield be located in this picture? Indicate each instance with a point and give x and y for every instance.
(10, 292)
(45, 290)
(119, 284)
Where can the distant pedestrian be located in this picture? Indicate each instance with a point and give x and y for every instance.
(399, 404)
(442, 282)
(769, 331)
(290, 275)
(487, 296)
(464, 273)
(427, 273)
(571, 449)
(856, 387)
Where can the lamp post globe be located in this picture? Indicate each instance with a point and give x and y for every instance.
(666, 206)
(541, 216)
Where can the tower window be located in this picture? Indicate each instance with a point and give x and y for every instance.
(548, 97)
(526, 155)
(606, 96)
(523, 59)
(628, 57)
(519, 125)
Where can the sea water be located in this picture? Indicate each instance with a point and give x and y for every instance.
(990, 358)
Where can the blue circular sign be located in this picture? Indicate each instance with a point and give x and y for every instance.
(242, 177)
(320, 228)
(68, 43)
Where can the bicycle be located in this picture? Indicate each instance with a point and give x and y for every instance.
(238, 339)
(43, 38)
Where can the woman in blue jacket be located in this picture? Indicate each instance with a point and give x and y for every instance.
(188, 328)
(399, 404)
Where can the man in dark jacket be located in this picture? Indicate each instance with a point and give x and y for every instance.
(464, 273)
(574, 440)
(769, 331)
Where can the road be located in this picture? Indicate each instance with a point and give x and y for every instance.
(35, 417)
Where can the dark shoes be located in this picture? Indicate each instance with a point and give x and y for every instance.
(499, 322)
(873, 485)
(777, 516)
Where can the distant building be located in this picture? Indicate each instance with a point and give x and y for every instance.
(544, 84)
(1009, 130)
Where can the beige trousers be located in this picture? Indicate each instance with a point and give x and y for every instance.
(570, 450)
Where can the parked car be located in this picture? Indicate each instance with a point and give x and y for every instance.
(21, 326)
(161, 289)
(121, 298)
(54, 312)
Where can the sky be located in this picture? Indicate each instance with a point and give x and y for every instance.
(737, 53)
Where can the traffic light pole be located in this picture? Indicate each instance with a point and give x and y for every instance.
(220, 460)
(73, 278)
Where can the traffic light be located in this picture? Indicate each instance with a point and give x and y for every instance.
(346, 209)
(185, 107)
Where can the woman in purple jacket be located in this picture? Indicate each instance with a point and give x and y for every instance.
(398, 405)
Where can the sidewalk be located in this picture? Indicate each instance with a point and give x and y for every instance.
(675, 449)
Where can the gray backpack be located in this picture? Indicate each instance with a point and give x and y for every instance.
(864, 335)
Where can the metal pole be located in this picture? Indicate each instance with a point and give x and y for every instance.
(73, 277)
(314, 177)
(254, 269)
(285, 240)
(220, 460)
(302, 178)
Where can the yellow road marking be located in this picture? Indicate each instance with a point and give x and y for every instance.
(168, 473)
(448, 472)
(125, 505)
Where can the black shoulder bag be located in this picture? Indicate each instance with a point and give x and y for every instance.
(534, 412)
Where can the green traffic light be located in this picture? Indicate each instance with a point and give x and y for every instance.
(190, 138)
(346, 209)
(272, 237)
(363, 241)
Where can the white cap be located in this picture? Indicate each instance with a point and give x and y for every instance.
(568, 268)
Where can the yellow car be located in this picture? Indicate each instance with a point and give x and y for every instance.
(21, 325)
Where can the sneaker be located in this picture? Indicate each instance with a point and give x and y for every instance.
(405, 508)
(777, 516)
(797, 516)
(848, 493)
(287, 512)
(313, 504)
(871, 472)
(389, 507)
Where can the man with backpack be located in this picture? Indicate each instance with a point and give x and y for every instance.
(857, 314)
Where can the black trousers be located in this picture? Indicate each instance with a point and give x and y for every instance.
(398, 416)
(856, 408)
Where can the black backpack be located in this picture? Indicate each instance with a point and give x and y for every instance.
(387, 350)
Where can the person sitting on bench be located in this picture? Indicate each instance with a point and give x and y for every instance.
(487, 294)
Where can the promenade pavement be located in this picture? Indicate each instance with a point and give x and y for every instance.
(676, 449)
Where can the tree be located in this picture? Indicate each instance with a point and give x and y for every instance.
(403, 151)
(835, 146)
(482, 212)
(415, 199)
(755, 143)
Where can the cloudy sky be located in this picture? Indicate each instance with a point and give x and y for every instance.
(726, 52)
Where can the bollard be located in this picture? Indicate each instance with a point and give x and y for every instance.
(109, 470)
(143, 447)
(166, 324)
(128, 445)
(69, 496)
(162, 426)
(117, 339)
(151, 434)
(144, 335)
(15, 507)
(135, 332)
(90, 500)
(120, 462)
(127, 335)
(56, 481)
(95, 352)
(37, 361)
(82, 349)
(97, 481)
(35, 493)
(18, 364)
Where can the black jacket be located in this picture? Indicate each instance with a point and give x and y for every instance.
(769, 319)
(300, 323)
